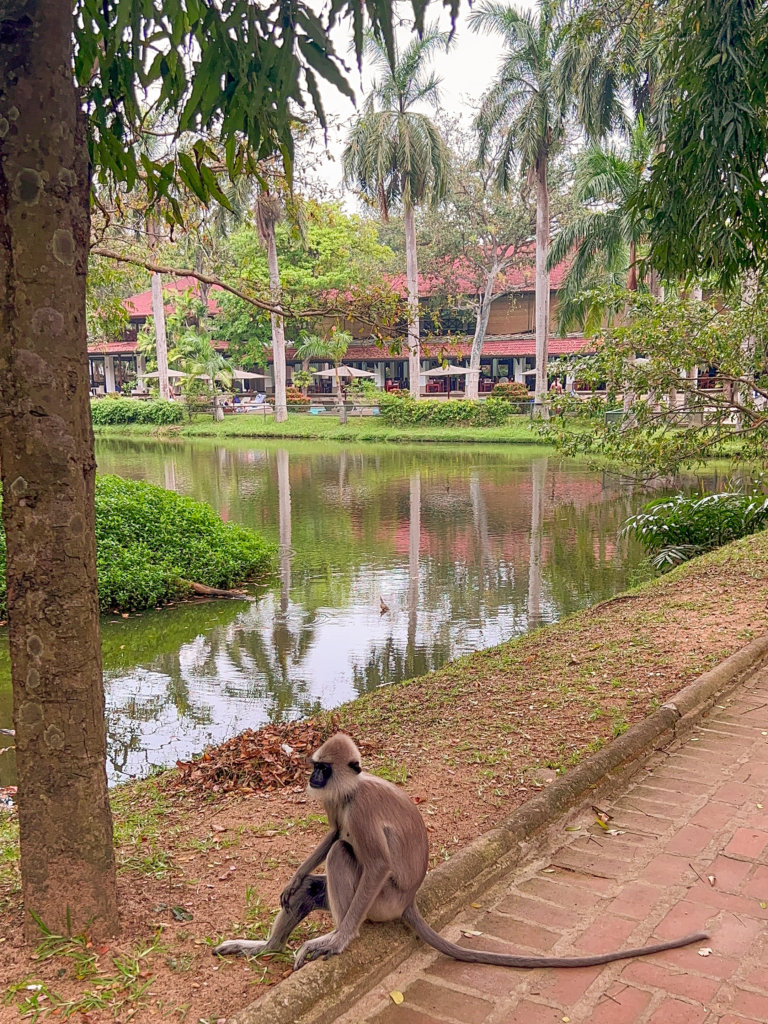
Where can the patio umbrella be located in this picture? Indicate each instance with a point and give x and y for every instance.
(172, 374)
(234, 374)
(447, 371)
(246, 375)
(343, 371)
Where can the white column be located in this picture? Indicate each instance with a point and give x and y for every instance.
(109, 373)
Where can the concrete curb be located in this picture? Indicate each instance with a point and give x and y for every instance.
(317, 994)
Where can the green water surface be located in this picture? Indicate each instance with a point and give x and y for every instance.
(465, 547)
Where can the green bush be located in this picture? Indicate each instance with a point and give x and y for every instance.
(363, 387)
(678, 528)
(402, 410)
(157, 530)
(150, 541)
(512, 391)
(133, 410)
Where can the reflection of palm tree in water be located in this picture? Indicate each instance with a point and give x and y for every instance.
(538, 479)
(414, 543)
(480, 523)
(281, 633)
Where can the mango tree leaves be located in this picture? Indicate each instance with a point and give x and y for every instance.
(707, 199)
(234, 71)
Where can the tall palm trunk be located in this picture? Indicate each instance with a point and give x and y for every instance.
(632, 272)
(412, 277)
(542, 287)
(278, 327)
(481, 326)
(48, 467)
(161, 342)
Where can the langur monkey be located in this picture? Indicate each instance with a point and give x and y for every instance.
(376, 856)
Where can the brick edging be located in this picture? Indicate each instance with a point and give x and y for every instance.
(316, 995)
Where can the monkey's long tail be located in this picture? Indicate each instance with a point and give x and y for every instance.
(481, 956)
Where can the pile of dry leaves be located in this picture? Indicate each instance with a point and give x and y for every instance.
(271, 758)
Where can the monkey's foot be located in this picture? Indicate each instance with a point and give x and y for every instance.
(318, 949)
(241, 947)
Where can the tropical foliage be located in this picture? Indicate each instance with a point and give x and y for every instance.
(603, 240)
(396, 155)
(697, 374)
(675, 529)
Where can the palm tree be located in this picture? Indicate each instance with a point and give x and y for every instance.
(607, 232)
(332, 348)
(396, 155)
(529, 103)
(269, 212)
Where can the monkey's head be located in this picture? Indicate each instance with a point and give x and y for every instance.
(335, 767)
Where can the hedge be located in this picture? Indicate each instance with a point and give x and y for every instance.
(107, 412)
(401, 410)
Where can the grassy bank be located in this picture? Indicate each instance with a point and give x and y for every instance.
(470, 742)
(328, 428)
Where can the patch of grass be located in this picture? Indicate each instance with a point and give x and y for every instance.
(391, 771)
(122, 985)
(9, 851)
(327, 427)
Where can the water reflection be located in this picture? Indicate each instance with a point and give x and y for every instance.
(465, 547)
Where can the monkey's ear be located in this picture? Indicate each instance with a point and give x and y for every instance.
(355, 766)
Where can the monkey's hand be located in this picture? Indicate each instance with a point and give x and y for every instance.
(320, 948)
(289, 892)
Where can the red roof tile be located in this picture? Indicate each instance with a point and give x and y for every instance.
(493, 347)
(140, 305)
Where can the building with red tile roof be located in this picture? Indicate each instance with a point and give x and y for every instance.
(509, 348)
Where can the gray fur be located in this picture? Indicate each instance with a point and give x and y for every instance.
(376, 855)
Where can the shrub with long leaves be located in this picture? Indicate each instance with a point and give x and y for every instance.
(678, 528)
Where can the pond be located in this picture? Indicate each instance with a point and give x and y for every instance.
(391, 561)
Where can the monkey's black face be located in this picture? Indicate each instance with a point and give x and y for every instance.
(321, 773)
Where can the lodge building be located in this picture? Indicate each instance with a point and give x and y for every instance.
(509, 349)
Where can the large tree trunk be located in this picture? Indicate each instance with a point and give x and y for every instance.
(161, 342)
(542, 288)
(278, 328)
(46, 449)
(473, 377)
(412, 276)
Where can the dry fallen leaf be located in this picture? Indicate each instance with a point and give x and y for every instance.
(477, 906)
(705, 951)
(396, 997)
(469, 931)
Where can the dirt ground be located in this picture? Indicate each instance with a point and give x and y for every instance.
(201, 861)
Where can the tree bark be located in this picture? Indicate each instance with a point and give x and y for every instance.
(46, 449)
(278, 328)
(412, 277)
(161, 342)
(542, 288)
(473, 377)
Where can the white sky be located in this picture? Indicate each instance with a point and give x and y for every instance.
(465, 71)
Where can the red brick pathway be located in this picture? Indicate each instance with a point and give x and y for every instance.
(691, 855)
